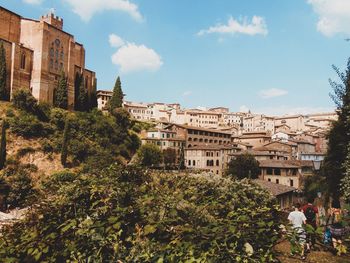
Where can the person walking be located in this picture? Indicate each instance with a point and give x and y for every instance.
(297, 219)
(311, 213)
(336, 227)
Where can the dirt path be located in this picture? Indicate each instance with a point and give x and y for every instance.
(320, 256)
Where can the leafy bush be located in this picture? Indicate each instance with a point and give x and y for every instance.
(29, 126)
(24, 100)
(124, 213)
(57, 118)
(21, 192)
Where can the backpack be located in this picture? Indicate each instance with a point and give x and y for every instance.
(310, 214)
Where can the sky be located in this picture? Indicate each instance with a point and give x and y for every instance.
(273, 57)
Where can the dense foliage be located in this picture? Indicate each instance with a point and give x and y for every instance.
(339, 136)
(19, 186)
(124, 213)
(243, 166)
(346, 180)
(150, 155)
(64, 148)
(61, 92)
(3, 73)
(169, 157)
(92, 136)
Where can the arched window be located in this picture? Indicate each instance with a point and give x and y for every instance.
(51, 63)
(62, 55)
(56, 64)
(52, 52)
(23, 61)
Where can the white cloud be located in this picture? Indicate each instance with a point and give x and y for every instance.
(88, 8)
(131, 57)
(233, 26)
(272, 93)
(33, 2)
(116, 41)
(334, 16)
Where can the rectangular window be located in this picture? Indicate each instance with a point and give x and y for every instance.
(277, 181)
(277, 171)
(291, 183)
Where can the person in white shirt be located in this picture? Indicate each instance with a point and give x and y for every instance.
(297, 219)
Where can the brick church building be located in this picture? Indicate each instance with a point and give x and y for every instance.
(36, 53)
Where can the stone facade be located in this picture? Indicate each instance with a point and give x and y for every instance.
(36, 53)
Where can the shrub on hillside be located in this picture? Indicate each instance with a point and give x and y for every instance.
(29, 126)
(123, 213)
(21, 191)
(24, 100)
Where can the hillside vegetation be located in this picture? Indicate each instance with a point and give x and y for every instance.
(131, 215)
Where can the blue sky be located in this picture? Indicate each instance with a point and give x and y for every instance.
(270, 56)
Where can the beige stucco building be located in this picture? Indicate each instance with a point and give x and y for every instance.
(213, 158)
(36, 53)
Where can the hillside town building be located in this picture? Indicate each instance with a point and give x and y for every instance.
(196, 136)
(36, 53)
(103, 97)
(290, 173)
(209, 158)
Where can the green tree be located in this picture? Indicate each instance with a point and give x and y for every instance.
(83, 99)
(3, 145)
(76, 90)
(117, 98)
(3, 73)
(339, 137)
(243, 166)
(64, 150)
(61, 92)
(345, 183)
(93, 96)
(182, 158)
(122, 118)
(150, 155)
(169, 157)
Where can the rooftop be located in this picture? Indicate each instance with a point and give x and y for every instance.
(285, 163)
(274, 189)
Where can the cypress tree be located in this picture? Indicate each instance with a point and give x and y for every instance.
(76, 91)
(64, 150)
(61, 92)
(117, 97)
(83, 99)
(3, 145)
(3, 73)
(93, 97)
